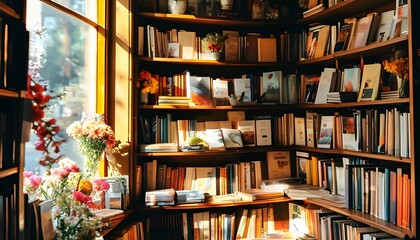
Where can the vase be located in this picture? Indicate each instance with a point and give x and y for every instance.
(143, 98)
(177, 6)
(91, 167)
(226, 5)
(215, 55)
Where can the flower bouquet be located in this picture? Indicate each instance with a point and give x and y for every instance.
(93, 135)
(399, 66)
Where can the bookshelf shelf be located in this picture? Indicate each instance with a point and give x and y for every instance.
(8, 11)
(372, 50)
(210, 205)
(8, 172)
(342, 10)
(366, 218)
(8, 93)
(190, 19)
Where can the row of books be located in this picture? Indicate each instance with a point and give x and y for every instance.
(321, 40)
(7, 211)
(211, 180)
(274, 86)
(244, 223)
(377, 189)
(128, 229)
(175, 43)
(312, 222)
(367, 130)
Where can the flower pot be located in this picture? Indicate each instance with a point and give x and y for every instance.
(215, 55)
(177, 6)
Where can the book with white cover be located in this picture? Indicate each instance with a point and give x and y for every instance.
(247, 128)
(385, 25)
(324, 85)
(300, 131)
(214, 139)
(263, 130)
(326, 132)
(232, 138)
(271, 86)
(242, 86)
(278, 164)
(351, 80)
(370, 82)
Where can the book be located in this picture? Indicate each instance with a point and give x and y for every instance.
(205, 180)
(220, 92)
(242, 89)
(300, 131)
(251, 46)
(267, 50)
(247, 129)
(271, 86)
(349, 133)
(353, 29)
(370, 82)
(343, 37)
(322, 41)
(199, 90)
(231, 45)
(186, 40)
(232, 138)
(263, 132)
(351, 80)
(258, 194)
(214, 139)
(324, 85)
(278, 164)
(326, 132)
(384, 30)
(363, 28)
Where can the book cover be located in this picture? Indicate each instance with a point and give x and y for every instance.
(311, 45)
(247, 128)
(174, 50)
(278, 164)
(351, 80)
(271, 86)
(342, 38)
(242, 89)
(310, 128)
(199, 91)
(349, 133)
(324, 85)
(252, 46)
(353, 29)
(385, 25)
(232, 138)
(231, 45)
(300, 131)
(263, 130)
(322, 42)
(267, 50)
(214, 139)
(220, 92)
(363, 29)
(186, 40)
(370, 82)
(205, 180)
(326, 131)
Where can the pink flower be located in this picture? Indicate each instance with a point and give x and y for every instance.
(80, 197)
(100, 185)
(69, 165)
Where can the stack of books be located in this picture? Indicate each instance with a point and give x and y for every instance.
(174, 100)
(163, 197)
(390, 95)
(333, 97)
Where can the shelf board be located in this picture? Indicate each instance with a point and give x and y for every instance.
(8, 172)
(365, 218)
(218, 63)
(342, 10)
(8, 10)
(371, 50)
(388, 102)
(191, 19)
(383, 157)
(8, 93)
(215, 205)
(246, 150)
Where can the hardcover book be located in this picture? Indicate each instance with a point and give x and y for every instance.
(242, 88)
(370, 82)
(267, 50)
(263, 129)
(231, 45)
(351, 80)
(326, 132)
(247, 128)
(199, 90)
(214, 139)
(363, 28)
(271, 86)
(278, 164)
(349, 133)
(220, 92)
(342, 38)
(385, 25)
(300, 131)
(232, 138)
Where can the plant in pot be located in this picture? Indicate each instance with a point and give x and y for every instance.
(213, 45)
(177, 6)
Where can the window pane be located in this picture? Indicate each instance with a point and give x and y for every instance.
(67, 49)
(87, 8)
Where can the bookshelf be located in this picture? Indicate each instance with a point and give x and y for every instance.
(375, 52)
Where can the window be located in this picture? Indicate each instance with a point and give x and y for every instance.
(64, 42)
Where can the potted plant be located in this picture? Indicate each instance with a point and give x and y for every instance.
(213, 45)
